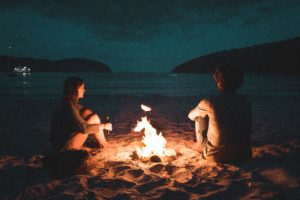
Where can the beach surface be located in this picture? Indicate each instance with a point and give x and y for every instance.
(272, 174)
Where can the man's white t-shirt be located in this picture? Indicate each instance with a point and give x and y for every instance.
(229, 127)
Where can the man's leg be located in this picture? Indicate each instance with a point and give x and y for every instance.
(201, 127)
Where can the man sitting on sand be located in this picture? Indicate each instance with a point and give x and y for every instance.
(223, 121)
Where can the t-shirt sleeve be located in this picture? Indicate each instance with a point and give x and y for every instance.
(81, 124)
(200, 110)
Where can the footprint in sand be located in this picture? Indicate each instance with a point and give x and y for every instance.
(167, 193)
(202, 188)
(135, 173)
(120, 170)
(170, 169)
(151, 185)
(157, 168)
(182, 175)
(113, 184)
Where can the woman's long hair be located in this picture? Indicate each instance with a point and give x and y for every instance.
(71, 86)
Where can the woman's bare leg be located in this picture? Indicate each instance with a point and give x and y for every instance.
(77, 141)
(92, 118)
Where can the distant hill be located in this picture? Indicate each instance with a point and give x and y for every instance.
(44, 65)
(279, 57)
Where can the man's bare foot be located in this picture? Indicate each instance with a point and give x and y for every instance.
(196, 147)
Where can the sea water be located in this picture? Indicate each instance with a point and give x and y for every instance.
(50, 85)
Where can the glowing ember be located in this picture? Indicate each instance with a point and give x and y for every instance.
(155, 144)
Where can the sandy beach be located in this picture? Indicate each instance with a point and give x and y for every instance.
(167, 55)
(272, 174)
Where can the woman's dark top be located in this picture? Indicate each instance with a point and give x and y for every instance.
(67, 121)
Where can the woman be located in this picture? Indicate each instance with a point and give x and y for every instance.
(72, 123)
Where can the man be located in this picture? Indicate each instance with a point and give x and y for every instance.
(223, 121)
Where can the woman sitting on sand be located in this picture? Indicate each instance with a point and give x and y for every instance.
(72, 123)
(223, 121)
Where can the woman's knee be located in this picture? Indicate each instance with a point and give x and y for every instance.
(94, 119)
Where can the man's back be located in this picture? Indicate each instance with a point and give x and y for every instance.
(229, 127)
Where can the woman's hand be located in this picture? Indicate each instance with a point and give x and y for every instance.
(108, 126)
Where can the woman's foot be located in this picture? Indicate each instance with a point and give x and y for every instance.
(105, 145)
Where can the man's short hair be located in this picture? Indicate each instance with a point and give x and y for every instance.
(229, 77)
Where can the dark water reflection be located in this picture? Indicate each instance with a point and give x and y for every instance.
(142, 84)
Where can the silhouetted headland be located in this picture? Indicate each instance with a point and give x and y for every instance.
(43, 65)
(277, 58)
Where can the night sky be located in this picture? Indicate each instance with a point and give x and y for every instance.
(142, 35)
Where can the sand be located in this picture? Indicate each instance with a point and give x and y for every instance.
(272, 174)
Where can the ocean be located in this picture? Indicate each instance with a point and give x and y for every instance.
(48, 85)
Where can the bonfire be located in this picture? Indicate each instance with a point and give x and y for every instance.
(154, 143)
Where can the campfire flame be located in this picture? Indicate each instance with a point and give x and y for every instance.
(155, 144)
(145, 108)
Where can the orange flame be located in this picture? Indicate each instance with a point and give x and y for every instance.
(155, 144)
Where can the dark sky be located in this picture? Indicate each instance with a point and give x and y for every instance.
(142, 35)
